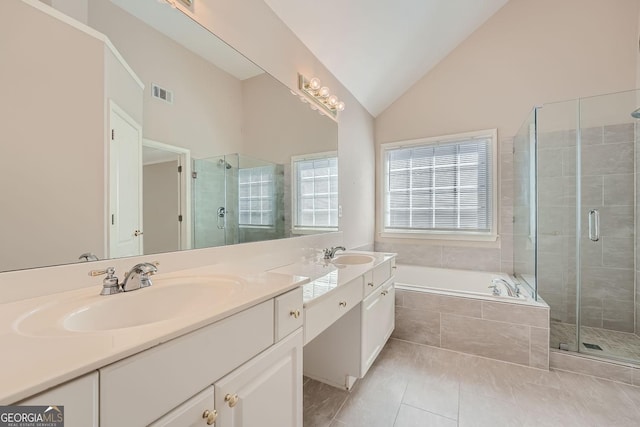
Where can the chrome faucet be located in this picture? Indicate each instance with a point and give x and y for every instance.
(331, 252)
(512, 290)
(138, 276)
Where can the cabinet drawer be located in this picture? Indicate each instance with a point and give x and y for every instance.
(190, 413)
(289, 313)
(377, 277)
(320, 316)
(141, 388)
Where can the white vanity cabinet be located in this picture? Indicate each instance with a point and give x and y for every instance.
(229, 373)
(341, 346)
(79, 398)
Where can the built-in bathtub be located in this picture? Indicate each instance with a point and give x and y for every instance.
(457, 310)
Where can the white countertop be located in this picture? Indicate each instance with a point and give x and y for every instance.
(326, 276)
(33, 361)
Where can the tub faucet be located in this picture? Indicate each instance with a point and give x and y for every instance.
(330, 253)
(513, 291)
(138, 276)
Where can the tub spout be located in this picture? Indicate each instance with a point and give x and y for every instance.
(512, 290)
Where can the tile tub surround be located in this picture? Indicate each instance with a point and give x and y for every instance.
(412, 385)
(515, 333)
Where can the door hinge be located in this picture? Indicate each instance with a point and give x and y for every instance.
(179, 169)
(179, 218)
(194, 175)
(113, 134)
(113, 219)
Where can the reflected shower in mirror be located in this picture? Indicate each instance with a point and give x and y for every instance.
(138, 131)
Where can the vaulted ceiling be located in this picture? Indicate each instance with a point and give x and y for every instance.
(379, 48)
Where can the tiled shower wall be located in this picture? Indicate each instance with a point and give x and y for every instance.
(465, 257)
(607, 160)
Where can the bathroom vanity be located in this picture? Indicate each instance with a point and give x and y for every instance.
(348, 315)
(234, 360)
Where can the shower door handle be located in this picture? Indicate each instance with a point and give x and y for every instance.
(222, 212)
(594, 225)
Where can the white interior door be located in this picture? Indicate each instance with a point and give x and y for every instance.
(125, 185)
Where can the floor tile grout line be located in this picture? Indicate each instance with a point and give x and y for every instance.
(431, 412)
(344, 402)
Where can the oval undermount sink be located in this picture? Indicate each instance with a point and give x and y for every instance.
(353, 259)
(172, 299)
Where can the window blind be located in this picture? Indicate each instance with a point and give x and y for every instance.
(440, 187)
(316, 201)
(256, 193)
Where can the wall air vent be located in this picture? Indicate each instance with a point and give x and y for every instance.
(161, 93)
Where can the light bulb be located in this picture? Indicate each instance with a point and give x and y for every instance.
(314, 83)
(323, 92)
(340, 106)
(332, 101)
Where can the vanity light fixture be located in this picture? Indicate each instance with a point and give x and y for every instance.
(320, 95)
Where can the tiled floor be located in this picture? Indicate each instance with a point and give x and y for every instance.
(622, 345)
(411, 385)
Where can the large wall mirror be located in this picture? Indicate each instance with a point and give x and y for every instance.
(155, 137)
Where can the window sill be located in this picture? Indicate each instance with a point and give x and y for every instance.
(313, 230)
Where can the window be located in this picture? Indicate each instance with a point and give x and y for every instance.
(256, 186)
(315, 192)
(441, 187)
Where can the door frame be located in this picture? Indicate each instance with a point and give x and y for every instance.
(184, 156)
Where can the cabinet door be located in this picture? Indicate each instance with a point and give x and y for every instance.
(195, 412)
(378, 321)
(266, 391)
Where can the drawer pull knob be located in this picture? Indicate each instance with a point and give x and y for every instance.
(210, 416)
(232, 400)
(384, 293)
(370, 284)
(343, 303)
(294, 313)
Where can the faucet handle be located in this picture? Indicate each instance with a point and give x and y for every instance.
(110, 283)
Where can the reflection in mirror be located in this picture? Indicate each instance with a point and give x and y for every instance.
(141, 133)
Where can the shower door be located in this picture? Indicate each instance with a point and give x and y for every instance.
(605, 225)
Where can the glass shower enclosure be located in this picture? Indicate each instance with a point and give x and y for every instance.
(575, 221)
(237, 199)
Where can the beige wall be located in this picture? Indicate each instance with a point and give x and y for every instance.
(527, 54)
(197, 119)
(277, 125)
(262, 37)
(50, 58)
